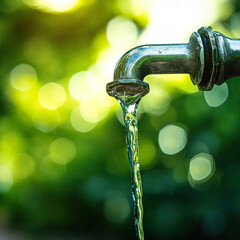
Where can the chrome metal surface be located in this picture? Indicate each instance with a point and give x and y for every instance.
(209, 58)
(232, 63)
(153, 59)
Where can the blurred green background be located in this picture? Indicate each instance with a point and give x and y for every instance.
(64, 171)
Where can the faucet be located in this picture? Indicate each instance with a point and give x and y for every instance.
(209, 58)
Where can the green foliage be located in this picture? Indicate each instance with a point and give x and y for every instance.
(63, 159)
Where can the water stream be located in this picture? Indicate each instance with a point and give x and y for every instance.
(129, 106)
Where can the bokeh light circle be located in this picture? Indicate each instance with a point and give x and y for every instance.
(62, 151)
(202, 166)
(83, 85)
(96, 109)
(121, 32)
(217, 96)
(23, 77)
(45, 120)
(78, 123)
(6, 179)
(52, 96)
(172, 139)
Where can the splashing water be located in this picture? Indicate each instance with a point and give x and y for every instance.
(129, 106)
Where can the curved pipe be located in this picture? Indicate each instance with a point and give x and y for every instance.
(153, 59)
(209, 58)
(144, 60)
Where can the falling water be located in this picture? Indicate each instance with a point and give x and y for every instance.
(129, 106)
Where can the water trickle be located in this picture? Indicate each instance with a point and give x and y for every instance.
(129, 106)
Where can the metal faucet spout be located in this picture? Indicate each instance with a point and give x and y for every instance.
(153, 59)
(209, 58)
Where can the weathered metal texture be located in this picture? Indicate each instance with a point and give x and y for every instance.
(231, 64)
(209, 57)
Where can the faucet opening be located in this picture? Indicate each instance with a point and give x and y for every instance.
(127, 87)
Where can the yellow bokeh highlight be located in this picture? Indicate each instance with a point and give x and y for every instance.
(62, 151)
(182, 82)
(10, 144)
(52, 96)
(53, 5)
(136, 8)
(26, 101)
(172, 22)
(106, 62)
(45, 120)
(170, 82)
(6, 179)
(96, 109)
(158, 100)
(83, 85)
(121, 32)
(147, 152)
(23, 77)
(78, 123)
